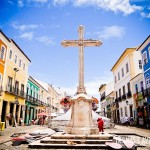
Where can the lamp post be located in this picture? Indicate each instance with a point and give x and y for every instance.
(16, 98)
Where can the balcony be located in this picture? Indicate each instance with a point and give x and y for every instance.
(119, 99)
(129, 95)
(15, 91)
(116, 100)
(123, 97)
(102, 98)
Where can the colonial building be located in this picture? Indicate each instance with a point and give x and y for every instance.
(34, 103)
(3, 52)
(107, 99)
(14, 82)
(144, 110)
(102, 99)
(138, 96)
(126, 68)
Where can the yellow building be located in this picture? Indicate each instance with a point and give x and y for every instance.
(3, 51)
(14, 83)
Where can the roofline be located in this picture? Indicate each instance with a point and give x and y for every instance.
(121, 57)
(4, 35)
(101, 86)
(143, 43)
(38, 83)
(20, 49)
(136, 76)
(53, 88)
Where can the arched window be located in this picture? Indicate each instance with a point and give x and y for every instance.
(2, 53)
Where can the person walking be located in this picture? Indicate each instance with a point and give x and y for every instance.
(131, 121)
(100, 124)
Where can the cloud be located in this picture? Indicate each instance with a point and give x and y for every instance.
(92, 87)
(11, 2)
(38, 1)
(24, 27)
(20, 3)
(145, 15)
(27, 35)
(116, 6)
(111, 32)
(60, 2)
(46, 40)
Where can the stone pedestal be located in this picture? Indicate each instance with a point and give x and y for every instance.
(81, 116)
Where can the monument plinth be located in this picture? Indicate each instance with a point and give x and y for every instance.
(81, 117)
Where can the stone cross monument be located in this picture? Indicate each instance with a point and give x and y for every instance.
(81, 43)
(81, 116)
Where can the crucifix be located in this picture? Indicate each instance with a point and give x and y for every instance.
(81, 43)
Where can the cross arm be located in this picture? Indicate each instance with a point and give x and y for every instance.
(92, 42)
(67, 43)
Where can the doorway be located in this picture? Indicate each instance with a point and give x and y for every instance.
(131, 112)
(3, 115)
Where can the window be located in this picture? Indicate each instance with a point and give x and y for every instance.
(124, 90)
(147, 82)
(116, 94)
(15, 59)
(121, 111)
(125, 110)
(20, 63)
(115, 79)
(2, 52)
(144, 58)
(122, 72)
(127, 68)
(141, 85)
(140, 64)
(16, 87)
(9, 84)
(136, 88)
(128, 85)
(22, 87)
(0, 77)
(119, 92)
(24, 66)
(149, 50)
(118, 76)
(10, 54)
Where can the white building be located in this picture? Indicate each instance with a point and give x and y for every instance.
(126, 68)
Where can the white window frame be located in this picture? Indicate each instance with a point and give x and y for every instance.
(24, 66)
(10, 51)
(1, 77)
(15, 59)
(144, 58)
(3, 53)
(149, 51)
(127, 67)
(118, 76)
(122, 71)
(115, 79)
(20, 63)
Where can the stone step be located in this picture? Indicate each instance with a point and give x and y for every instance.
(100, 136)
(39, 145)
(78, 141)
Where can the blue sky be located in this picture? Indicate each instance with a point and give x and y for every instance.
(39, 26)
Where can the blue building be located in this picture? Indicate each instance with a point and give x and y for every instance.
(145, 52)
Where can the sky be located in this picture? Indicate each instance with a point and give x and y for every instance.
(39, 27)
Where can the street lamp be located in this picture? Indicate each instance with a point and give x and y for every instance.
(16, 98)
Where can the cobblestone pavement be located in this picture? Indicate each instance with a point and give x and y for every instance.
(5, 135)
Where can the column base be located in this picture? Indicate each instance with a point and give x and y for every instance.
(82, 130)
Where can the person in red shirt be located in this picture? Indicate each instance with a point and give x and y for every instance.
(100, 124)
